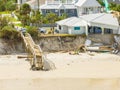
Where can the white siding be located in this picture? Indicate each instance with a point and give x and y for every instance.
(64, 29)
(119, 31)
(79, 10)
(115, 31)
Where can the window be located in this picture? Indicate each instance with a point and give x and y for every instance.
(56, 10)
(76, 28)
(94, 30)
(62, 11)
(72, 11)
(47, 11)
(108, 31)
(97, 30)
(59, 27)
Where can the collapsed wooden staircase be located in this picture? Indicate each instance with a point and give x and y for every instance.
(34, 52)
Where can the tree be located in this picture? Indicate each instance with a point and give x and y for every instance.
(7, 5)
(4, 21)
(37, 18)
(63, 16)
(113, 6)
(25, 20)
(24, 14)
(101, 2)
(33, 31)
(2, 6)
(10, 5)
(51, 19)
(25, 9)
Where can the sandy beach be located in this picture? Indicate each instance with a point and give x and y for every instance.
(73, 72)
(82, 65)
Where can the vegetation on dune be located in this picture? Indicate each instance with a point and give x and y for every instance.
(7, 5)
(7, 30)
(33, 31)
(32, 19)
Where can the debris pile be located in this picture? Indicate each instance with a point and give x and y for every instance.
(92, 46)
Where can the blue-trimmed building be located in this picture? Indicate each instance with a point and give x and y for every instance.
(59, 8)
(71, 8)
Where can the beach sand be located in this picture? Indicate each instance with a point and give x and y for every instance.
(86, 71)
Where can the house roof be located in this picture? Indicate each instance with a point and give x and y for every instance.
(62, 22)
(87, 3)
(72, 21)
(34, 2)
(102, 19)
(50, 6)
(58, 6)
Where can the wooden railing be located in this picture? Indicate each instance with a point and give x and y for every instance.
(34, 50)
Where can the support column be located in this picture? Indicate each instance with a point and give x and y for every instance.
(59, 12)
(102, 30)
(86, 31)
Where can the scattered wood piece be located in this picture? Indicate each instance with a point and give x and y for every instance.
(24, 56)
(91, 54)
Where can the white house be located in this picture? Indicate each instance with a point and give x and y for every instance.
(87, 7)
(106, 23)
(73, 25)
(71, 7)
(100, 23)
(59, 8)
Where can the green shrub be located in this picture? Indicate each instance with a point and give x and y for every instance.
(8, 32)
(33, 31)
